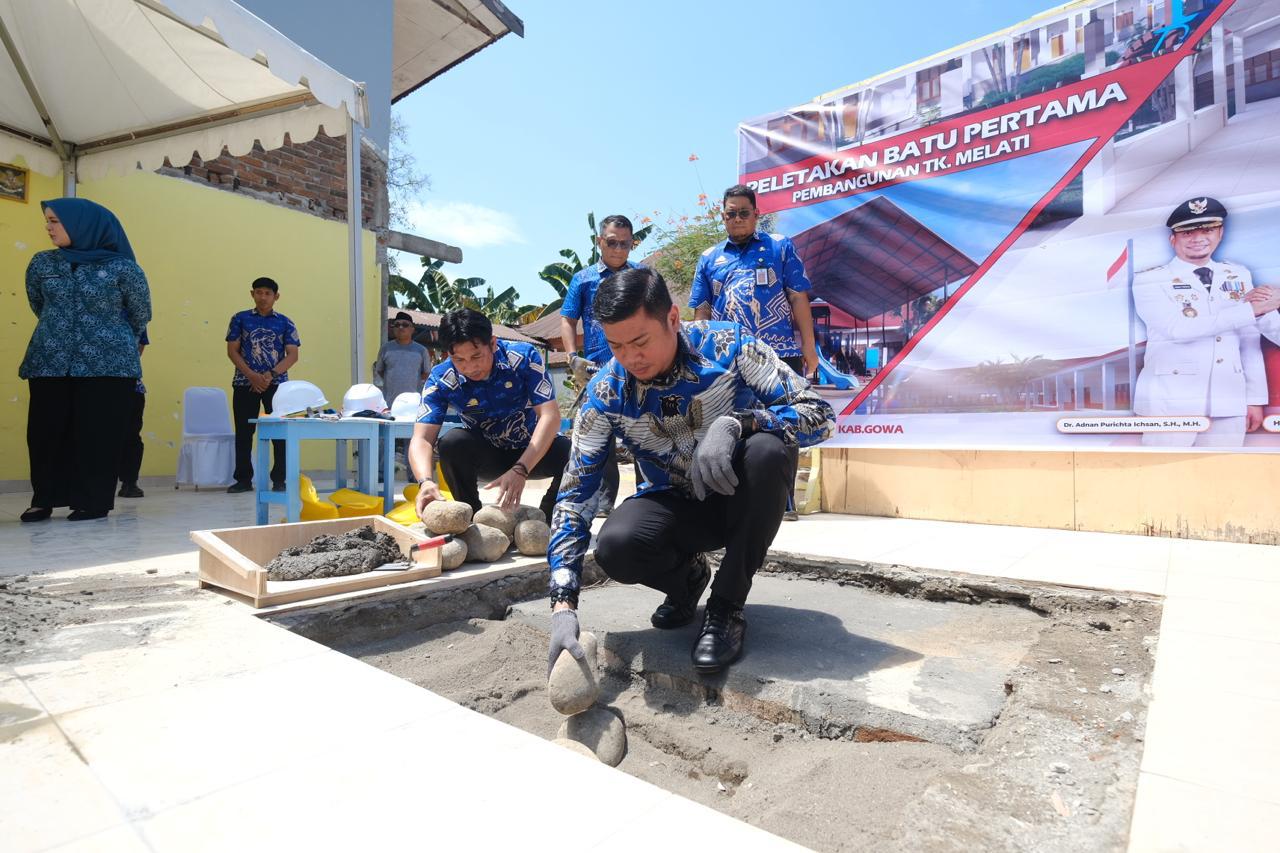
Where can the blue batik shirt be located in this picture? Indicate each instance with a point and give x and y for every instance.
(578, 300)
(720, 369)
(748, 285)
(262, 342)
(88, 317)
(501, 407)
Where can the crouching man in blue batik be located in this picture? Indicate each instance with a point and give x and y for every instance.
(709, 413)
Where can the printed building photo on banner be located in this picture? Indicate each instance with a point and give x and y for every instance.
(1057, 237)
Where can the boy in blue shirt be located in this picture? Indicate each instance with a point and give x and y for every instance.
(263, 345)
(502, 393)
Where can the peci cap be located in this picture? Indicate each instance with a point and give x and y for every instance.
(1195, 212)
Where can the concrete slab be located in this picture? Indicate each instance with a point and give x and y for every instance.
(854, 662)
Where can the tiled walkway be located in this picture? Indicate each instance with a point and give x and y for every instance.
(193, 725)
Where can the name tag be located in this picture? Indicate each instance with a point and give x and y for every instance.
(1182, 287)
(762, 278)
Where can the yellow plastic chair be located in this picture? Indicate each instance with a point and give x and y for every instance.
(314, 509)
(405, 512)
(353, 504)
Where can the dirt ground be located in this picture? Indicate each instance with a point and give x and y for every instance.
(1057, 771)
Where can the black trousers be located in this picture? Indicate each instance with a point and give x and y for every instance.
(75, 426)
(131, 448)
(245, 404)
(611, 477)
(466, 456)
(796, 363)
(648, 539)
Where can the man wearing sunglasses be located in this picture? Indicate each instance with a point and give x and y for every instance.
(757, 281)
(615, 241)
(1204, 323)
(402, 364)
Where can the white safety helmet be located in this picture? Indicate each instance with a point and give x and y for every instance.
(405, 406)
(295, 397)
(361, 397)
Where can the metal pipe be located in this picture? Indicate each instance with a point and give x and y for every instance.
(355, 249)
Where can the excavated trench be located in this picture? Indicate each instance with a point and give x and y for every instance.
(877, 708)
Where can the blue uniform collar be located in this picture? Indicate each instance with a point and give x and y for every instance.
(755, 238)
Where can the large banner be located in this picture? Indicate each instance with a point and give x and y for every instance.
(1064, 236)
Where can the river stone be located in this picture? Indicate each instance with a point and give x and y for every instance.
(532, 537)
(442, 517)
(574, 746)
(599, 729)
(496, 517)
(524, 513)
(453, 554)
(572, 686)
(484, 543)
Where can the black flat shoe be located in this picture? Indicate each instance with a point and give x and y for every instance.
(37, 513)
(278, 487)
(86, 515)
(724, 630)
(676, 613)
(237, 488)
(129, 490)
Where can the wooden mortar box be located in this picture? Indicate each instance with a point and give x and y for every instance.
(233, 559)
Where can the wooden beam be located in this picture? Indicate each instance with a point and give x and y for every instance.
(416, 245)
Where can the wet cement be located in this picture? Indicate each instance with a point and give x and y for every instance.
(352, 553)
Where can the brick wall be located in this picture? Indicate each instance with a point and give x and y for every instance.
(309, 176)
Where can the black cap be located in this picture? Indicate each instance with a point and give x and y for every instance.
(1195, 212)
(404, 315)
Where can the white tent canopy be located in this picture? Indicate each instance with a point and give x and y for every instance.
(128, 81)
(92, 87)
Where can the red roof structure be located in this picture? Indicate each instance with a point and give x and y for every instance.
(877, 257)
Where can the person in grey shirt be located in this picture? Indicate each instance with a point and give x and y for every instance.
(402, 365)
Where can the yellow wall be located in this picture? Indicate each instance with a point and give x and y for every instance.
(200, 249)
(1229, 497)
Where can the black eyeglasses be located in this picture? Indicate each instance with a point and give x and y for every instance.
(402, 325)
(738, 214)
(619, 244)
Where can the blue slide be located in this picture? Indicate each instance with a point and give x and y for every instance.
(829, 376)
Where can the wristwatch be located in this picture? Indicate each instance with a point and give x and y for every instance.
(747, 420)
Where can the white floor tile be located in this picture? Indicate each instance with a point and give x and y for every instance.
(1171, 816)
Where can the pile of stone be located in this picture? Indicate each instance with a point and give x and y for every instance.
(598, 731)
(488, 535)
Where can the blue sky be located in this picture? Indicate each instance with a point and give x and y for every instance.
(599, 107)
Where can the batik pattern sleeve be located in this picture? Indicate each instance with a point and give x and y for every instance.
(571, 307)
(791, 407)
(136, 296)
(541, 389)
(290, 333)
(435, 398)
(35, 293)
(793, 276)
(700, 295)
(576, 504)
(234, 328)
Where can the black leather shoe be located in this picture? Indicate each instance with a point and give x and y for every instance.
(278, 487)
(676, 613)
(237, 488)
(724, 629)
(129, 490)
(37, 513)
(86, 515)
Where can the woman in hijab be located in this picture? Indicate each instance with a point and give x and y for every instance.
(92, 304)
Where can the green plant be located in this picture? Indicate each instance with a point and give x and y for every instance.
(435, 293)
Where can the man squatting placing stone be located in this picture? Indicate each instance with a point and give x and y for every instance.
(709, 413)
(507, 405)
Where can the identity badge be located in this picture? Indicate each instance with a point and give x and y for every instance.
(762, 277)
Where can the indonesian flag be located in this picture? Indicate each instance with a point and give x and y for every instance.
(1117, 267)
(693, 157)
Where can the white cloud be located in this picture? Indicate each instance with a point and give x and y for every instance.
(460, 223)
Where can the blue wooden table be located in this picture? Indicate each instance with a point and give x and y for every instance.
(391, 430)
(294, 430)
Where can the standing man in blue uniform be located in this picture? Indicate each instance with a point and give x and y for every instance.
(710, 414)
(502, 393)
(757, 281)
(615, 242)
(263, 345)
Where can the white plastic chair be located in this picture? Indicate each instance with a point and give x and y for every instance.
(208, 453)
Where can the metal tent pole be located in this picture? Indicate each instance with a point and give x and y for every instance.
(355, 248)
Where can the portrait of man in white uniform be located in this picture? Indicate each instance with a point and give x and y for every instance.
(1204, 320)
